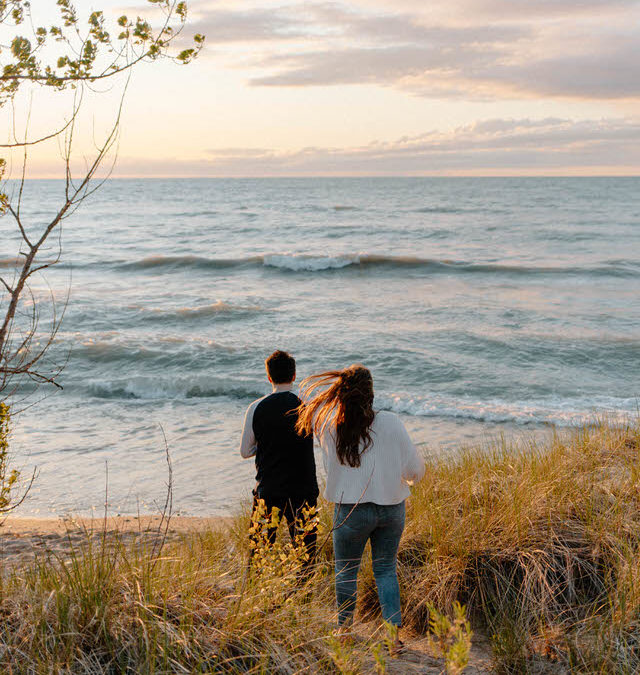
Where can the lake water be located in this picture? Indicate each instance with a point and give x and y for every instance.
(481, 305)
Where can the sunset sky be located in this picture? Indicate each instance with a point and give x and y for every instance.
(377, 87)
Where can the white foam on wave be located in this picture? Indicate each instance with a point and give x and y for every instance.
(219, 307)
(146, 387)
(212, 309)
(123, 347)
(550, 410)
(101, 339)
(302, 262)
(309, 263)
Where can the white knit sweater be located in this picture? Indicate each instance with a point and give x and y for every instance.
(385, 467)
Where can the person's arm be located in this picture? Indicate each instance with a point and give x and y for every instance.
(321, 440)
(248, 444)
(413, 467)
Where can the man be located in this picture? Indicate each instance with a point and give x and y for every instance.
(285, 465)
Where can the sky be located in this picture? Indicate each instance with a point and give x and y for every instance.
(380, 87)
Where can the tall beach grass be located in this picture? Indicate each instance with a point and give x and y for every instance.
(539, 542)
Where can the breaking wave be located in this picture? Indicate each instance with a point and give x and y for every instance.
(153, 388)
(298, 262)
(187, 261)
(552, 410)
(218, 308)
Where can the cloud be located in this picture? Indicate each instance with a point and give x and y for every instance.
(545, 8)
(254, 25)
(488, 144)
(510, 146)
(323, 22)
(557, 48)
(468, 71)
(500, 10)
(384, 65)
(611, 72)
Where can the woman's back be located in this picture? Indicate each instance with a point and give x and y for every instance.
(385, 466)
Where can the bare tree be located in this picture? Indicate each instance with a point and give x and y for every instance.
(71, 56)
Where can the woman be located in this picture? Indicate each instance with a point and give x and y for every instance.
(369, 459)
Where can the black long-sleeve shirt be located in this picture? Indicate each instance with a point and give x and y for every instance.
(285, 465)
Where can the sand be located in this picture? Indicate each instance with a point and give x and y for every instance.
(22, 539)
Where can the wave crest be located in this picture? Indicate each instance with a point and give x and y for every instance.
(552, 410)
(186, 261)
(303, 262)
(163, 388)
(214, 309)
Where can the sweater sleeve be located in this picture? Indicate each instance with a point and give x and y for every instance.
(248, 445)
(413, 467)
(324, 441)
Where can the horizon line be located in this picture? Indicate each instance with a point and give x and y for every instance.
(316, 176)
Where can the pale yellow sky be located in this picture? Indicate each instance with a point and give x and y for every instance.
(374, 87)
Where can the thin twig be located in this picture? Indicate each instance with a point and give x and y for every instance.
(167, 510)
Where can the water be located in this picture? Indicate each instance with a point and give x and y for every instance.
(481, 306)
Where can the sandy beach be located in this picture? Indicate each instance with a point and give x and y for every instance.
(22, 539)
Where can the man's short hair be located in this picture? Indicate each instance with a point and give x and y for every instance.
(281, 367)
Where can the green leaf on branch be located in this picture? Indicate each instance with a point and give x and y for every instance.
(20, 47)
(96, 21)
(84, 49)
(142, 30)
(186, 55)
(68, 13)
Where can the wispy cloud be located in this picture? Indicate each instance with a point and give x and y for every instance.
(490, 146)
(556, 48)
(543, 8)
(466, 11)
(252, 25)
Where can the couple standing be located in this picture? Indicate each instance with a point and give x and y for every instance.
(368, 458)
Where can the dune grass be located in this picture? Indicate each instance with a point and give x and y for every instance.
(539, 542)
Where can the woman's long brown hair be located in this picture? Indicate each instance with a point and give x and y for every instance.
(346, 404)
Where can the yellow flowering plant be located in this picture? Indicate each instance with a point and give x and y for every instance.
(8, 477)
(277, 567)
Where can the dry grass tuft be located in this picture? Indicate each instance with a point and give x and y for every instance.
(539, 542)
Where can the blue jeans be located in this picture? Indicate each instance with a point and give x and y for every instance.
(383, 525)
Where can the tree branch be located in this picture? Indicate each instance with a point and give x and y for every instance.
(89, 55)
(20, 226)
(19, 144)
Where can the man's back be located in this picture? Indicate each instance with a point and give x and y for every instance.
(284, 460)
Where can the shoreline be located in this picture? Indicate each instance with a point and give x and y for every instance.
(205, 485)
(20, 525)
(24, 538)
